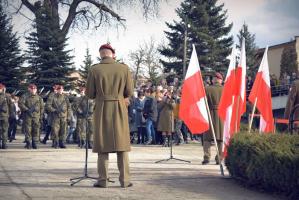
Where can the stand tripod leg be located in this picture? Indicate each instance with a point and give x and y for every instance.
(171, 156)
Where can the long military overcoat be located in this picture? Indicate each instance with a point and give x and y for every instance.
(109, 83)
(214, 93)
(166, 118)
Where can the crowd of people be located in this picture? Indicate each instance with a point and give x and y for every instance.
(279, 86)
(153, 117)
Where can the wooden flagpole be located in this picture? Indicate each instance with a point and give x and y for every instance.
(214, 136)
(252, 115)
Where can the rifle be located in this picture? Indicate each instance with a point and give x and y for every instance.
(2, 105)
(32, 108)
(59, 108)
(41, 90)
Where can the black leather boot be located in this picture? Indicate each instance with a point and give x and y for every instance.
(44, 141)
(89, 144)
(168, 140)
(4, 144)
(82, 144)
(61, 144)
(34, 146)
(55, 144)
(164, 140)
(28, 145)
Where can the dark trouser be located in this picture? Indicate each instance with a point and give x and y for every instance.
(140, 135)
(48, 132)
(12, 128)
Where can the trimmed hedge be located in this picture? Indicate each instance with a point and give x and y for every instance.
(270, 162)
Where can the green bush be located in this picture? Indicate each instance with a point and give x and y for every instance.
(270, 162)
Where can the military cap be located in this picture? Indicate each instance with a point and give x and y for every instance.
(32, 86)
(218, 75)
(107, 46)
(2, 86)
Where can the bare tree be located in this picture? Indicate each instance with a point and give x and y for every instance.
(138, 59)
(83, 13)
(147, 61)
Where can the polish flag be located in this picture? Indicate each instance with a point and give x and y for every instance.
(225, 108)
(240, 105)
(261, 93)
(193, 110)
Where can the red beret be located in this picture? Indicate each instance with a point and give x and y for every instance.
(82, 89)
(58, 87)
(32, 86)
(2, 86)
(55, 87)
(218, 75)
(107, 46)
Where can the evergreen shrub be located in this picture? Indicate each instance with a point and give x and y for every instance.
(270, 161)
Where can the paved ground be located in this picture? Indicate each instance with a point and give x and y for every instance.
(45, 173)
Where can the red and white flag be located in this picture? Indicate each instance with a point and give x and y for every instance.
(261, 93)
(193, 110)
(240, 105)
(227, 101)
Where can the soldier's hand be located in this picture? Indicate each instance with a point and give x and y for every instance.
(127, 101)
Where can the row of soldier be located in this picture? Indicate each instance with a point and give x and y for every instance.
(57, 110)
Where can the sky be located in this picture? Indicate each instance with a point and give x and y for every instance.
(272, 21)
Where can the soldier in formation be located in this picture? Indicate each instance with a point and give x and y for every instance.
(5, 107)
(84, 110)
(32, 105)
(59, 106)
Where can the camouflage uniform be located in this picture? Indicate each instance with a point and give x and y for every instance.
(32, 106)
(59, 106)
(49, 120)
(84, 111)
(5, 107)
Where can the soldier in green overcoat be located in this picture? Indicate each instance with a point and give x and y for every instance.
(109, 83)
(5, 108)
(60, 108)
(84, 111)
(32, 106)
(213, 93)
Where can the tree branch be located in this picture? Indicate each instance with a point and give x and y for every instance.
(29, 5)
(72, 13)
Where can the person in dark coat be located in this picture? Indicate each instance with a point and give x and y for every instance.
(293, 100)
(139, 119)
(213, 93)
(13, 118)
(150, 113)
(109, 83)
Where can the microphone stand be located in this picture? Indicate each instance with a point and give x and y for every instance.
(85, 176)
(171, 155)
